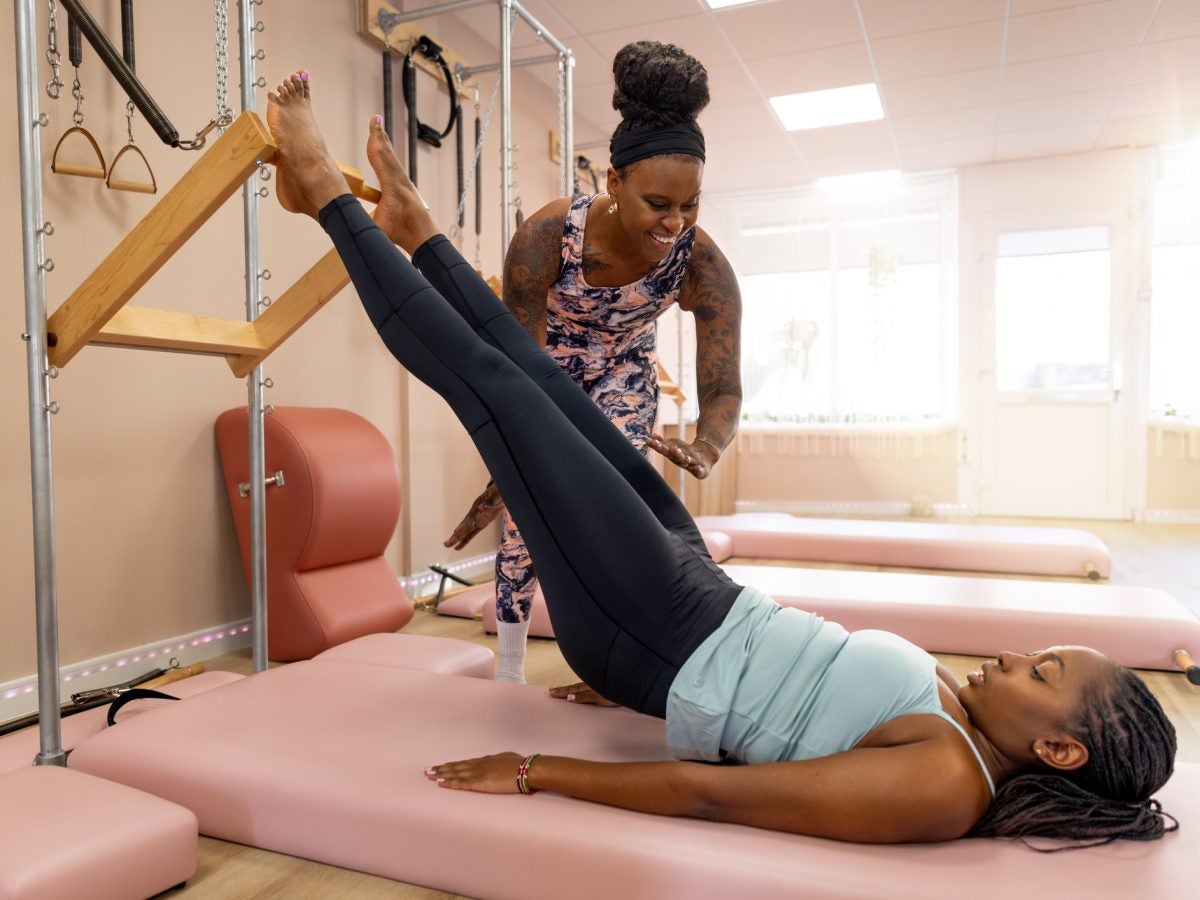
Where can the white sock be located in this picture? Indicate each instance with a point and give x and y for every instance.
(511, 664)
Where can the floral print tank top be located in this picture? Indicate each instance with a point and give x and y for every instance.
(600, 325)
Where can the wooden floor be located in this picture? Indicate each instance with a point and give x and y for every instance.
(1163, 556)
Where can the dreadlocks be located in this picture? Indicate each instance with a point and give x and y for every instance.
(1131, 754)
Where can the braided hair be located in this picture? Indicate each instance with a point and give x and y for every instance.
(656, 85)
(1131, 754)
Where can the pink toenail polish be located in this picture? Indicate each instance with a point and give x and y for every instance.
(304, 76)
(379, 120)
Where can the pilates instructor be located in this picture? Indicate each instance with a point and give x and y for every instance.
(589, 276)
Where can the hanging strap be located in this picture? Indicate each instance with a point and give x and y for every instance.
(135, 694)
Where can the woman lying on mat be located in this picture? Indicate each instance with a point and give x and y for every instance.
(860, 736)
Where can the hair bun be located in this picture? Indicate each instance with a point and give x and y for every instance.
(657, 84)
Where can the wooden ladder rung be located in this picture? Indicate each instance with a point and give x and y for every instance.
(160, 329)
(295, 306)
(176, 217)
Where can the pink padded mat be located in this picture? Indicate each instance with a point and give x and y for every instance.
(1138, 627)
(68, 835)
(1021, 550)
(324, 759)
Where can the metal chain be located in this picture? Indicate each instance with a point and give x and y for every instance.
(55, 85)
(562, 131)
(455, 231)
(221, 20)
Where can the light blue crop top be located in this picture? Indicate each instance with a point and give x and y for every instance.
(774, 684)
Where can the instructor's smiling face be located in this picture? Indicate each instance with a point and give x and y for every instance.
(658, 200)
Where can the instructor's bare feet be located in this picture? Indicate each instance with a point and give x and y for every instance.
(307, 176)
(401, 212)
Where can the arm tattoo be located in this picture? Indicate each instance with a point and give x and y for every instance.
(710, 292)
(530, 269)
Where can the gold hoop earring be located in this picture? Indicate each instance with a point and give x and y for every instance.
(612, 208)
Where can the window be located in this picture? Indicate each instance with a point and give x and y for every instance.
(1175, 274)
(1052, 310)
(848, 303)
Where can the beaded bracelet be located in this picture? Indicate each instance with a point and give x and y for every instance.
(523, 775)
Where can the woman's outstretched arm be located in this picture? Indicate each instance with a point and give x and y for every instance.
(710, 292)
(919, 792)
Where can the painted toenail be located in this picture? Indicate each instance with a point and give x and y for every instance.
(379, 120)
(304, 76)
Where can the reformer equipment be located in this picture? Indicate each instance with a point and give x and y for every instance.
(127, 53)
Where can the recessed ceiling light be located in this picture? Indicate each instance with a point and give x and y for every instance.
(721, 4)
(836, 106)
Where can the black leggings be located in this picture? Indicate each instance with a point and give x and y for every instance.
(631, 588)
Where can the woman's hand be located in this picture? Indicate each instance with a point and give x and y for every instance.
(580, 693)
(698, 457)
(495, 774)
(482, 513)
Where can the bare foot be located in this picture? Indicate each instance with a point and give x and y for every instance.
(307, 176)
(401, 212)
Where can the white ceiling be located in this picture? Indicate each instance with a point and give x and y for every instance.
(962, 81)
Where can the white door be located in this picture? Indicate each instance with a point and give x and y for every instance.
(1053, 416)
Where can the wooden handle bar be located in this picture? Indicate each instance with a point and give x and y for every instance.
(1184, 660)
(174, 675)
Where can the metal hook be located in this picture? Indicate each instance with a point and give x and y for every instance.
(268, 383)
(52, 372)
(43, 120)
(52, 407)
(47, 228)
(265, 302)
(197, 142)
(265, 274)
(47, 265)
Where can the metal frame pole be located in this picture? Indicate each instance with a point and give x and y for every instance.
(254, 384)
(566, 74)
(39, 372)
(542, 31)
(506, 13)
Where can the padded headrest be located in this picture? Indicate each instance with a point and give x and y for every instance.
(341, 496)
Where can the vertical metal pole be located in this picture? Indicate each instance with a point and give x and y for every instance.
(254, 384)
(506, 14)
(32, 228)
(566, 64)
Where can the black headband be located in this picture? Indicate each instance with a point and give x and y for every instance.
(642, 143)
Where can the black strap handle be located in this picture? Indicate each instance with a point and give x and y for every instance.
(130, 696)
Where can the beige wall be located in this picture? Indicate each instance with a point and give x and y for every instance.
(842, 466)
(1173, 469)
(145, 542)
